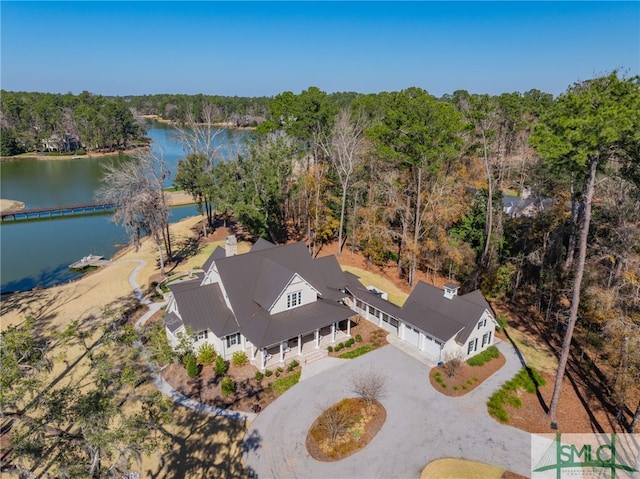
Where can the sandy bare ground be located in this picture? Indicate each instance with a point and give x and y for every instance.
(10, 205)
(201, 446)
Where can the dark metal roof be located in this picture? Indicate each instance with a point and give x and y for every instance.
(172, 322)
(218, 253)
(264, 330)
(427, 309)
(204, 308)
(253, 282)
(271, 281)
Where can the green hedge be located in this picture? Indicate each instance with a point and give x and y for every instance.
(356, 352)
(484, 357)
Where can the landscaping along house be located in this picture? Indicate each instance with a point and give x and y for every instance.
(278, 303)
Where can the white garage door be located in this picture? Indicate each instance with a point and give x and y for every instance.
(430, 347)
(411, 335)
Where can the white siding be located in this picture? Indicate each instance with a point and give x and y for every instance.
(309, 294)
(489, 326)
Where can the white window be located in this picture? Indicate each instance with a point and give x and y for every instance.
(482, 323)
(473, 345)
(233, 339)
(294, 299)
(200, 335)
(486, 338)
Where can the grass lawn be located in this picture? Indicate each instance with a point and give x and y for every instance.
(457, 468)
(536, 353)
(396, 295)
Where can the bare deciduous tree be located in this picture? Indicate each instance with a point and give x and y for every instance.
(453, 362)
(137, 188)
(344, 147)
(370, 386)
(335, 420)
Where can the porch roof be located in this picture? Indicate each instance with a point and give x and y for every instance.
(265, 330)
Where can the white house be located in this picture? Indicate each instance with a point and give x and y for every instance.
(437, 321)
(277, 303)
(272, 301)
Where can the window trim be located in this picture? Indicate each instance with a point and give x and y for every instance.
(294, 299)
(236, 339)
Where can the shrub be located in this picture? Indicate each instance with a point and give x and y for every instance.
(258, 376)
(358, 338)
(206, 354)
(294, 364)
(221, 366)
(228, 386)
(192, 365)
(351, 341)
(239, 358)
(356, 352)
(268, 373)
(487, 355)
(338, 347)
(330, 349)
(279, 369)
(277, 374)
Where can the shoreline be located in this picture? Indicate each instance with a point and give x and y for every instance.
(92, 154)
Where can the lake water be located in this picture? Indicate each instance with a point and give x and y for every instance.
(38, 253)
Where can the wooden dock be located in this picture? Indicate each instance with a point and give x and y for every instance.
(91, 260)
(57, 211)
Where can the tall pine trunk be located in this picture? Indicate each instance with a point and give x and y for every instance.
(575, 300)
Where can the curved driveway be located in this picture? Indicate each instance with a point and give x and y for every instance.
(422, 424)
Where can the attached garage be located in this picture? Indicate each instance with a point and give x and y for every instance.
(411, 335)
(431, 346)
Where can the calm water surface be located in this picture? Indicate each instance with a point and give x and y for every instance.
(38, 253)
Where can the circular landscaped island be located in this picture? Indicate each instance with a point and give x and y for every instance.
(344, 428)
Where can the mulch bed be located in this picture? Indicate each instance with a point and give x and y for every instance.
(378, 416)
(465, 380)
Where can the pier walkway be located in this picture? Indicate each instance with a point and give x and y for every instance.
(57, 211)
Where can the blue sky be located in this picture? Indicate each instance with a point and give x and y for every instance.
(265, 48)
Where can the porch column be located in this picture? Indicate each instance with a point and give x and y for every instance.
(316, 336)
(300, 345)
(281, 352)
(263, 360)
(348, 326)
(253, 352)
(333, 332)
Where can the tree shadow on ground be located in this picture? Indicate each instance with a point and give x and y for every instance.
(205, 446)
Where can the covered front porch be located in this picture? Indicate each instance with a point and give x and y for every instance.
(303, 348)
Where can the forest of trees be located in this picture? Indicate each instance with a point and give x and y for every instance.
(408, 178)
(404, 178)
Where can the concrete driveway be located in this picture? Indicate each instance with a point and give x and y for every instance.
(422, 424)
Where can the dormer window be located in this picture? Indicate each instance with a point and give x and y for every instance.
(294, 299)
(200, 335)
(482, 323)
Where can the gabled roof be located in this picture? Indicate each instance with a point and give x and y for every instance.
(203, 307)
(253, 282)
(218, 253)
(272, 279)
(173, 322)
(428, 309)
